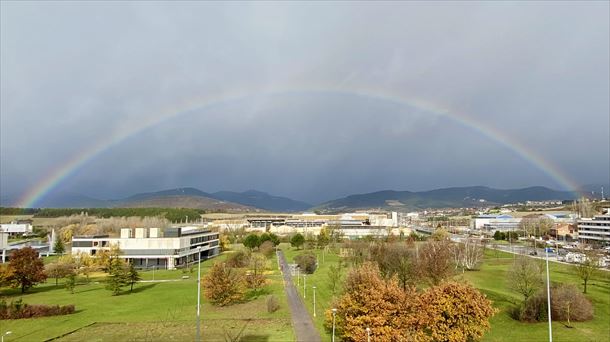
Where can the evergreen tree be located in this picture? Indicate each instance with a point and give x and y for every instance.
(117, 276)
(133, 276)
(59, 247)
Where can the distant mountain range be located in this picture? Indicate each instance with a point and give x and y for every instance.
(252, 200)
(472, 196)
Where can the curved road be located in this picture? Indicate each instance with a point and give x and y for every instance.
(301, 321)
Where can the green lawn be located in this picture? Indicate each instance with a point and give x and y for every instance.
(156, 310)
(491, 280)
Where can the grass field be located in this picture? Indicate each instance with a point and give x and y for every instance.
(491, 280)
(154, 311)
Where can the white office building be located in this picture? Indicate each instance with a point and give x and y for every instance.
(595, 230)
(16, 228)
(151, 247)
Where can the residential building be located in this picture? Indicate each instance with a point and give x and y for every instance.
(151, 247)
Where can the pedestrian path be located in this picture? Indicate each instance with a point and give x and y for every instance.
(304, 328)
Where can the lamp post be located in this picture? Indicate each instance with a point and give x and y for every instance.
(368, 334)
(334, 314)
(6, 333)
(199, 294)
(304, 286)
(548, 295)
(314, 300)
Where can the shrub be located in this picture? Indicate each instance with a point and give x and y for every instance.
(272, 304)
(307, 262)
(267, 248)
(238, 259)
(17, 310)
(569, 304)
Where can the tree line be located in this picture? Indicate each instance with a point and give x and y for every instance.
(172, 214)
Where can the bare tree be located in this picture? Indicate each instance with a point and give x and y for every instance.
(469, 254)
(587, 268)
(525, 276)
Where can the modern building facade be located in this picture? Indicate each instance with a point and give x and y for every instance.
(595, 230)
(16, 228)
(150, 247)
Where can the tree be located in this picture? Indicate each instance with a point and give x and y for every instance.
(323, 238)
(117, 276)
(223, 285)
(440, 234)
(59, 269)
(469, 254)
(374, 302)
(85, 264)
(252, 241)
(334, 277)
(274, 239)
(525, 276)
(567, 303)
(71, 282)
(435, 261)
(267, 249)
(587, 268)
(58, 247)
(453, 312)
(132, 276)
(255, 279)
(6, 274)
(307, 262)
(27, 268)
(297, 240)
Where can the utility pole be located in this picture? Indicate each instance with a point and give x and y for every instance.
(548, 295)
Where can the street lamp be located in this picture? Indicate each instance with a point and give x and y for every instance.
(304, 286)
(548, 295)
(314, 300)
(6, 333)
(368, 334)
(199, 294)
(334, 314)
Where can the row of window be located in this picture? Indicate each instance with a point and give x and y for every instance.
(204, 238)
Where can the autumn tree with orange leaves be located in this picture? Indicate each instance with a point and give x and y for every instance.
(453, 311)
(224, 285)
(446, 312)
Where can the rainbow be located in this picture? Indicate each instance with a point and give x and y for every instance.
(65, 170)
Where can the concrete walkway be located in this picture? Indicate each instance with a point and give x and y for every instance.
(301, 321)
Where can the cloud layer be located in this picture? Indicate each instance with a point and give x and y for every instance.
(303, 126)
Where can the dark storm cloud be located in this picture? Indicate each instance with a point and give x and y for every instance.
(74, 73)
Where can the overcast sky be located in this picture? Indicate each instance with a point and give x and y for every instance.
(75, 73)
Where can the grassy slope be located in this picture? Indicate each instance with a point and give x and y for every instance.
(166, 309)
(491, 280)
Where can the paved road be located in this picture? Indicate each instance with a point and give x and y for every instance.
(301, 321)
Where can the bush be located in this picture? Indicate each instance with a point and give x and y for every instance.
(18, 310)
(307, 262)
(567, 304)
(267, 248)
(272, 304)
(238, 259)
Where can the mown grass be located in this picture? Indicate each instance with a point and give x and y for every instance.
(491, 280)
(154, 311)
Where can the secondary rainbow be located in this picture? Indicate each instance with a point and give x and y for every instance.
(65, 170)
